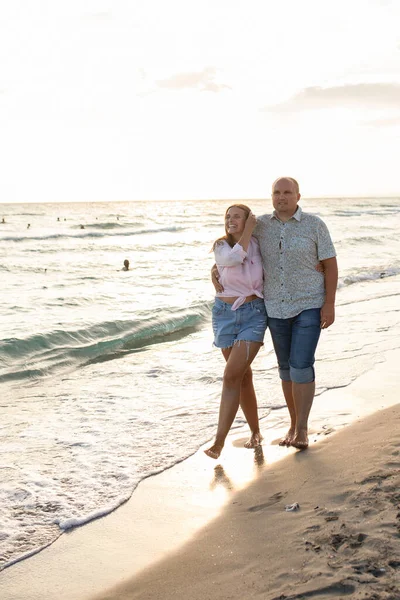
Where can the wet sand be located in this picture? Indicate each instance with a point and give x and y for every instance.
(219, 529)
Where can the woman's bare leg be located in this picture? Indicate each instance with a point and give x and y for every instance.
(238, 360)
(248, 404)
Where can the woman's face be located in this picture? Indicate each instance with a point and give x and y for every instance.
(235, 220)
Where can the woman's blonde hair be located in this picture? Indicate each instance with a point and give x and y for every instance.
(228, 236)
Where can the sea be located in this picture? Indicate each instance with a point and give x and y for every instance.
(109, 376)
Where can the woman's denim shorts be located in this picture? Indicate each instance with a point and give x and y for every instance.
(247, 323)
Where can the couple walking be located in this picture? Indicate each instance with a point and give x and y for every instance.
(278, 270)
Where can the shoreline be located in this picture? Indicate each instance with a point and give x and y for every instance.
(169, 510)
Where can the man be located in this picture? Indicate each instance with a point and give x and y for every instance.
(300, 300)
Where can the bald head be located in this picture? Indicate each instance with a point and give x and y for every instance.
(292, 179)
(285, 196)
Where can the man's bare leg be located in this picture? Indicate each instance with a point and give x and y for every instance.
(239, 359)
(287, 388)
(303, 394)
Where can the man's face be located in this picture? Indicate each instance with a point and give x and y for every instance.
(285, 197)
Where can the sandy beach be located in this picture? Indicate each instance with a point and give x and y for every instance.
(220, 530)
(343, 541)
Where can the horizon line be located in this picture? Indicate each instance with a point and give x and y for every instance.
(267, 198)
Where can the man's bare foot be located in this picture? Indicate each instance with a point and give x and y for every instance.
(287, 440)
(214, 451)
(254, 441)
(300, 440)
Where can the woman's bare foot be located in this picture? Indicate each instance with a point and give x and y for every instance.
(287, 440)
(254, 441)
(214, 451)
(300, 440)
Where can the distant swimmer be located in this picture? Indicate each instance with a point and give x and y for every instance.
(126, 265)
(28, 226)
(3, 220)
(82, 227)
(58, 218)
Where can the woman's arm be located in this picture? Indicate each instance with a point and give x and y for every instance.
(250, 224)
(225, 256)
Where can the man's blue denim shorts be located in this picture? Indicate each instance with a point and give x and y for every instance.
(247, 323)
(295, 341)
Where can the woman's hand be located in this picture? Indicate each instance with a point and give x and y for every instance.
(251, 222)
(249, 226)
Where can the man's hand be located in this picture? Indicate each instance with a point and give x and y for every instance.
(215, 279)
(327, 315)
(320, 267)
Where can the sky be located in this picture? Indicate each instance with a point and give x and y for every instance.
(106, 100)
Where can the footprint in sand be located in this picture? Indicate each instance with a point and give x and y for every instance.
(368, 567)
(338, 590)
(377, 477)
(272, 500)
(329, 515)
(312, 528)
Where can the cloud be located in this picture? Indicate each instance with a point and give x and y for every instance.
(202, 80)
(362, 95)
(390, 122)
(98, 15)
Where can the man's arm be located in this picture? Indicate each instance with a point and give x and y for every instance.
(215, 280)
(331, 279)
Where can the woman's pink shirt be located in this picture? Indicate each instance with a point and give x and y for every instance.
(240, 272)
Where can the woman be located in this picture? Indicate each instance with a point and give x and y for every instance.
(239, 321)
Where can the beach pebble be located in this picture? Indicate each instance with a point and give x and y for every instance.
(292, 507)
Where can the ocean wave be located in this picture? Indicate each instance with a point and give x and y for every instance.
(362, 211)
(368, 239)
(56, 350)
(90, 234)
(106, 225)
(28, 214)
(367, 275)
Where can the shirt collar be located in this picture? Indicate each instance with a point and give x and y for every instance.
(297, 215)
